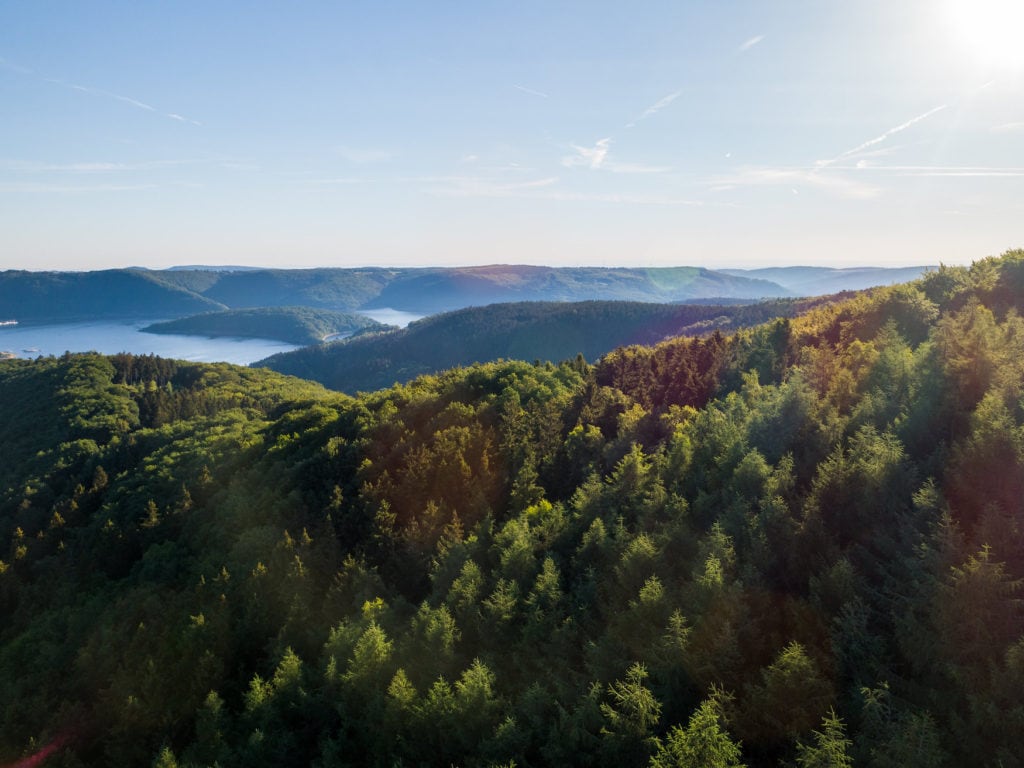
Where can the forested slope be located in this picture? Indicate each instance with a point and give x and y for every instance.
(296, 325)
(114, 293)
(517, 331)
(800, 544)
(442, 289)
(60, 296)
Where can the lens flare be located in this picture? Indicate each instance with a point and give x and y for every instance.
(989, 30)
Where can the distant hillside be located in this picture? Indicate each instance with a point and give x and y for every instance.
(58, 296)
(295, 325)
(818, 281)
(522, 331)
(341, 289)
(438, 290)
(115, 293)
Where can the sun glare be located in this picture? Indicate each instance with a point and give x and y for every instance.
(992, 31)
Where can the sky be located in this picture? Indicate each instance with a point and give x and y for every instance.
(707, 133)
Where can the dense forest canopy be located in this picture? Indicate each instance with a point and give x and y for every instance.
(797, 544)
(518, 331)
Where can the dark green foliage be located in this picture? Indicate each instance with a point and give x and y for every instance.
(528, 331)
(49, 297)
(798, 544)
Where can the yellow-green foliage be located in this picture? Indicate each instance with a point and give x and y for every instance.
(798, 544)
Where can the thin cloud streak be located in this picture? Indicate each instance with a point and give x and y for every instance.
(543, 189)
(879, 139)
(531, 91)
(935, 170)
(97, 92)
(128, 100)
(746, 46)
(89, 167)
(180, 118)
(790, 177)
(475, 186)
(616, 167)
(596, 159)
(72, 189)
(591, 157)
(656, 107)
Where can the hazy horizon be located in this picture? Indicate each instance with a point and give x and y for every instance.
(739, 135)
(255, 267)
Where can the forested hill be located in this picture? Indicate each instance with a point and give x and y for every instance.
(438, 290)
(518, 331)
(129, 293)
(296, 325)
(115, 293)
(55, 296)
(799, 544)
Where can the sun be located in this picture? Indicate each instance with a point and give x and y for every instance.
(991, 31)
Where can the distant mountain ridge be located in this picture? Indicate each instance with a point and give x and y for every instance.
(438, 290)
(178, 292)
(118, 293)
(817, 281)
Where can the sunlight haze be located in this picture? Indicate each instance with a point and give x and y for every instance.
(739, 134)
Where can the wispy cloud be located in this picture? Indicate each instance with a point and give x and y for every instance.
(531, 91)
(86, 167)
(1008, 128)
(612, 197)
(128, 100)
(92, 91)
(617, 167)
(879, 139)
(748, 44)
(590, 157)
(835, 183)
(944, 170)
(655, 108)
(596, 158)
(29, 187)
(542, 189)
(492, 187)
(849, 181)
(125, 99)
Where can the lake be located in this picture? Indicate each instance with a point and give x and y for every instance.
(111, 337)
(398, 317)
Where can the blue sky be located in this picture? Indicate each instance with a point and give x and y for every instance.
(737, 134)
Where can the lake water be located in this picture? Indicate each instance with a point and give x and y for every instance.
(391, 316)
(384, 315)
(112, 337)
